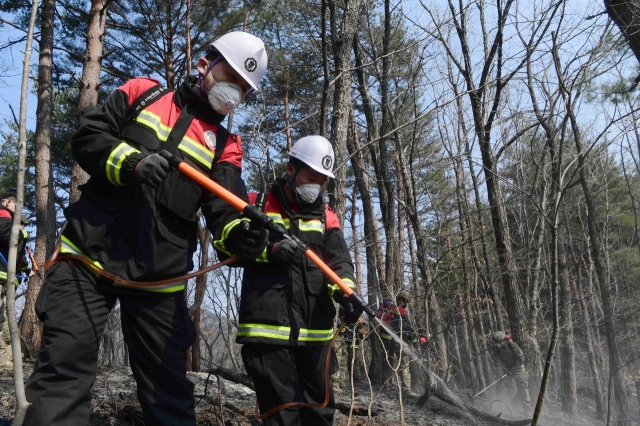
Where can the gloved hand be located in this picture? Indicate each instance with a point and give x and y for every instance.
(285, 251)
(246, 242)
(152, 170)
(351, 309)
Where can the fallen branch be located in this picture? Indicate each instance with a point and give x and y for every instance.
(476, 412)
(481, 414)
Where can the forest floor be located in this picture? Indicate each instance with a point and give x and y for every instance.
(230, 404)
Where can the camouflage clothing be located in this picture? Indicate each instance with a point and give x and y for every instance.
(511, 357)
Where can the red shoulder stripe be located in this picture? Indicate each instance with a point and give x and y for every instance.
(137, 86)
(332, 218)
(233, 152)
(5, 214)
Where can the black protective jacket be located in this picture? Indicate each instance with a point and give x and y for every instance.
(129, 229)
(22, 267)
(291, 303)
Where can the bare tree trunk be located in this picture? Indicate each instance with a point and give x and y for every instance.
(31, 327)
(567, 354)
(589, 337)
(90, 80)
(626, 15)
(356, 249)
(18, 376)
(616, 368)
(342, 45)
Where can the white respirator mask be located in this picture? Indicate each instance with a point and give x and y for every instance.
(308, 193)
(224, 97)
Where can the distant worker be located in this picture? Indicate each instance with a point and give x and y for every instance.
(509, 354)
(396, 318)
(8, 201)
(286, 315)
(137, 220)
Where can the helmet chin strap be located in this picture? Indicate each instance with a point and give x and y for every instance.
(201, 78)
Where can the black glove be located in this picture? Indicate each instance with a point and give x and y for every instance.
(246, 242)
(351, 308)
(285, 251)
(152, 170)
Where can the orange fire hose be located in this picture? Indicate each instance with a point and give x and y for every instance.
(263, 220)
(127, 283)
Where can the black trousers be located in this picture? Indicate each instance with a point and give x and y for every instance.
(283, 374)
(74, 305)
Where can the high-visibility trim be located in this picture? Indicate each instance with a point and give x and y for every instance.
(154, 122)
(4, 276)
(308, 335)
(264, 330)
(66, 246)
(25, 234)
(263, 256)
(332, 288)
(312, 225)
(196, 151)
(352, 346)
(167, 288)
(277, 218)
(386, 336)
(114, 162)
(219, 244)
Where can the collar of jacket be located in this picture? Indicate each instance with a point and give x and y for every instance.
(293, 209)
(196, 105)
(10, 212)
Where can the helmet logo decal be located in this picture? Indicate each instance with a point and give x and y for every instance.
(210, 140)
(251, 64)
(326, 162)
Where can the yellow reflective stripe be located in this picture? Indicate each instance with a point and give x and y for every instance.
(332, 288)
(277, 218)
(263, 256)
(66, 246)
(264, 330)
(25, 234)
(385, 336)
(308, 335)
(167, 288)
(114, 162)
(196, 151)
(154, 122)
(219, 244)
(313, 225)
(4, 276)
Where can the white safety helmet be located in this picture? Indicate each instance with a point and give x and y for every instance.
(245, 53)
(316, 152)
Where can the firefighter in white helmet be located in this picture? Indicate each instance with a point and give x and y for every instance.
(136, 219)
(286, 313)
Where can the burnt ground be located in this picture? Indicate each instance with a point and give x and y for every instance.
(227, 403)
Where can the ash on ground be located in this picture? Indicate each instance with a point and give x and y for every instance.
(222, 402)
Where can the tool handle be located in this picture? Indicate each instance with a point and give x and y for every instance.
(263, 220)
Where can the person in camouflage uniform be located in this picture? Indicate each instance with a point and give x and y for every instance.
(510, 355)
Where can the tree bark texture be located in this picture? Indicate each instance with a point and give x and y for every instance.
(31, 327)
(90, 80)
(626, 15)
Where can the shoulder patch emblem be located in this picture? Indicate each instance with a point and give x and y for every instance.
(210, 140)
(251, 64)
(326, 162)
